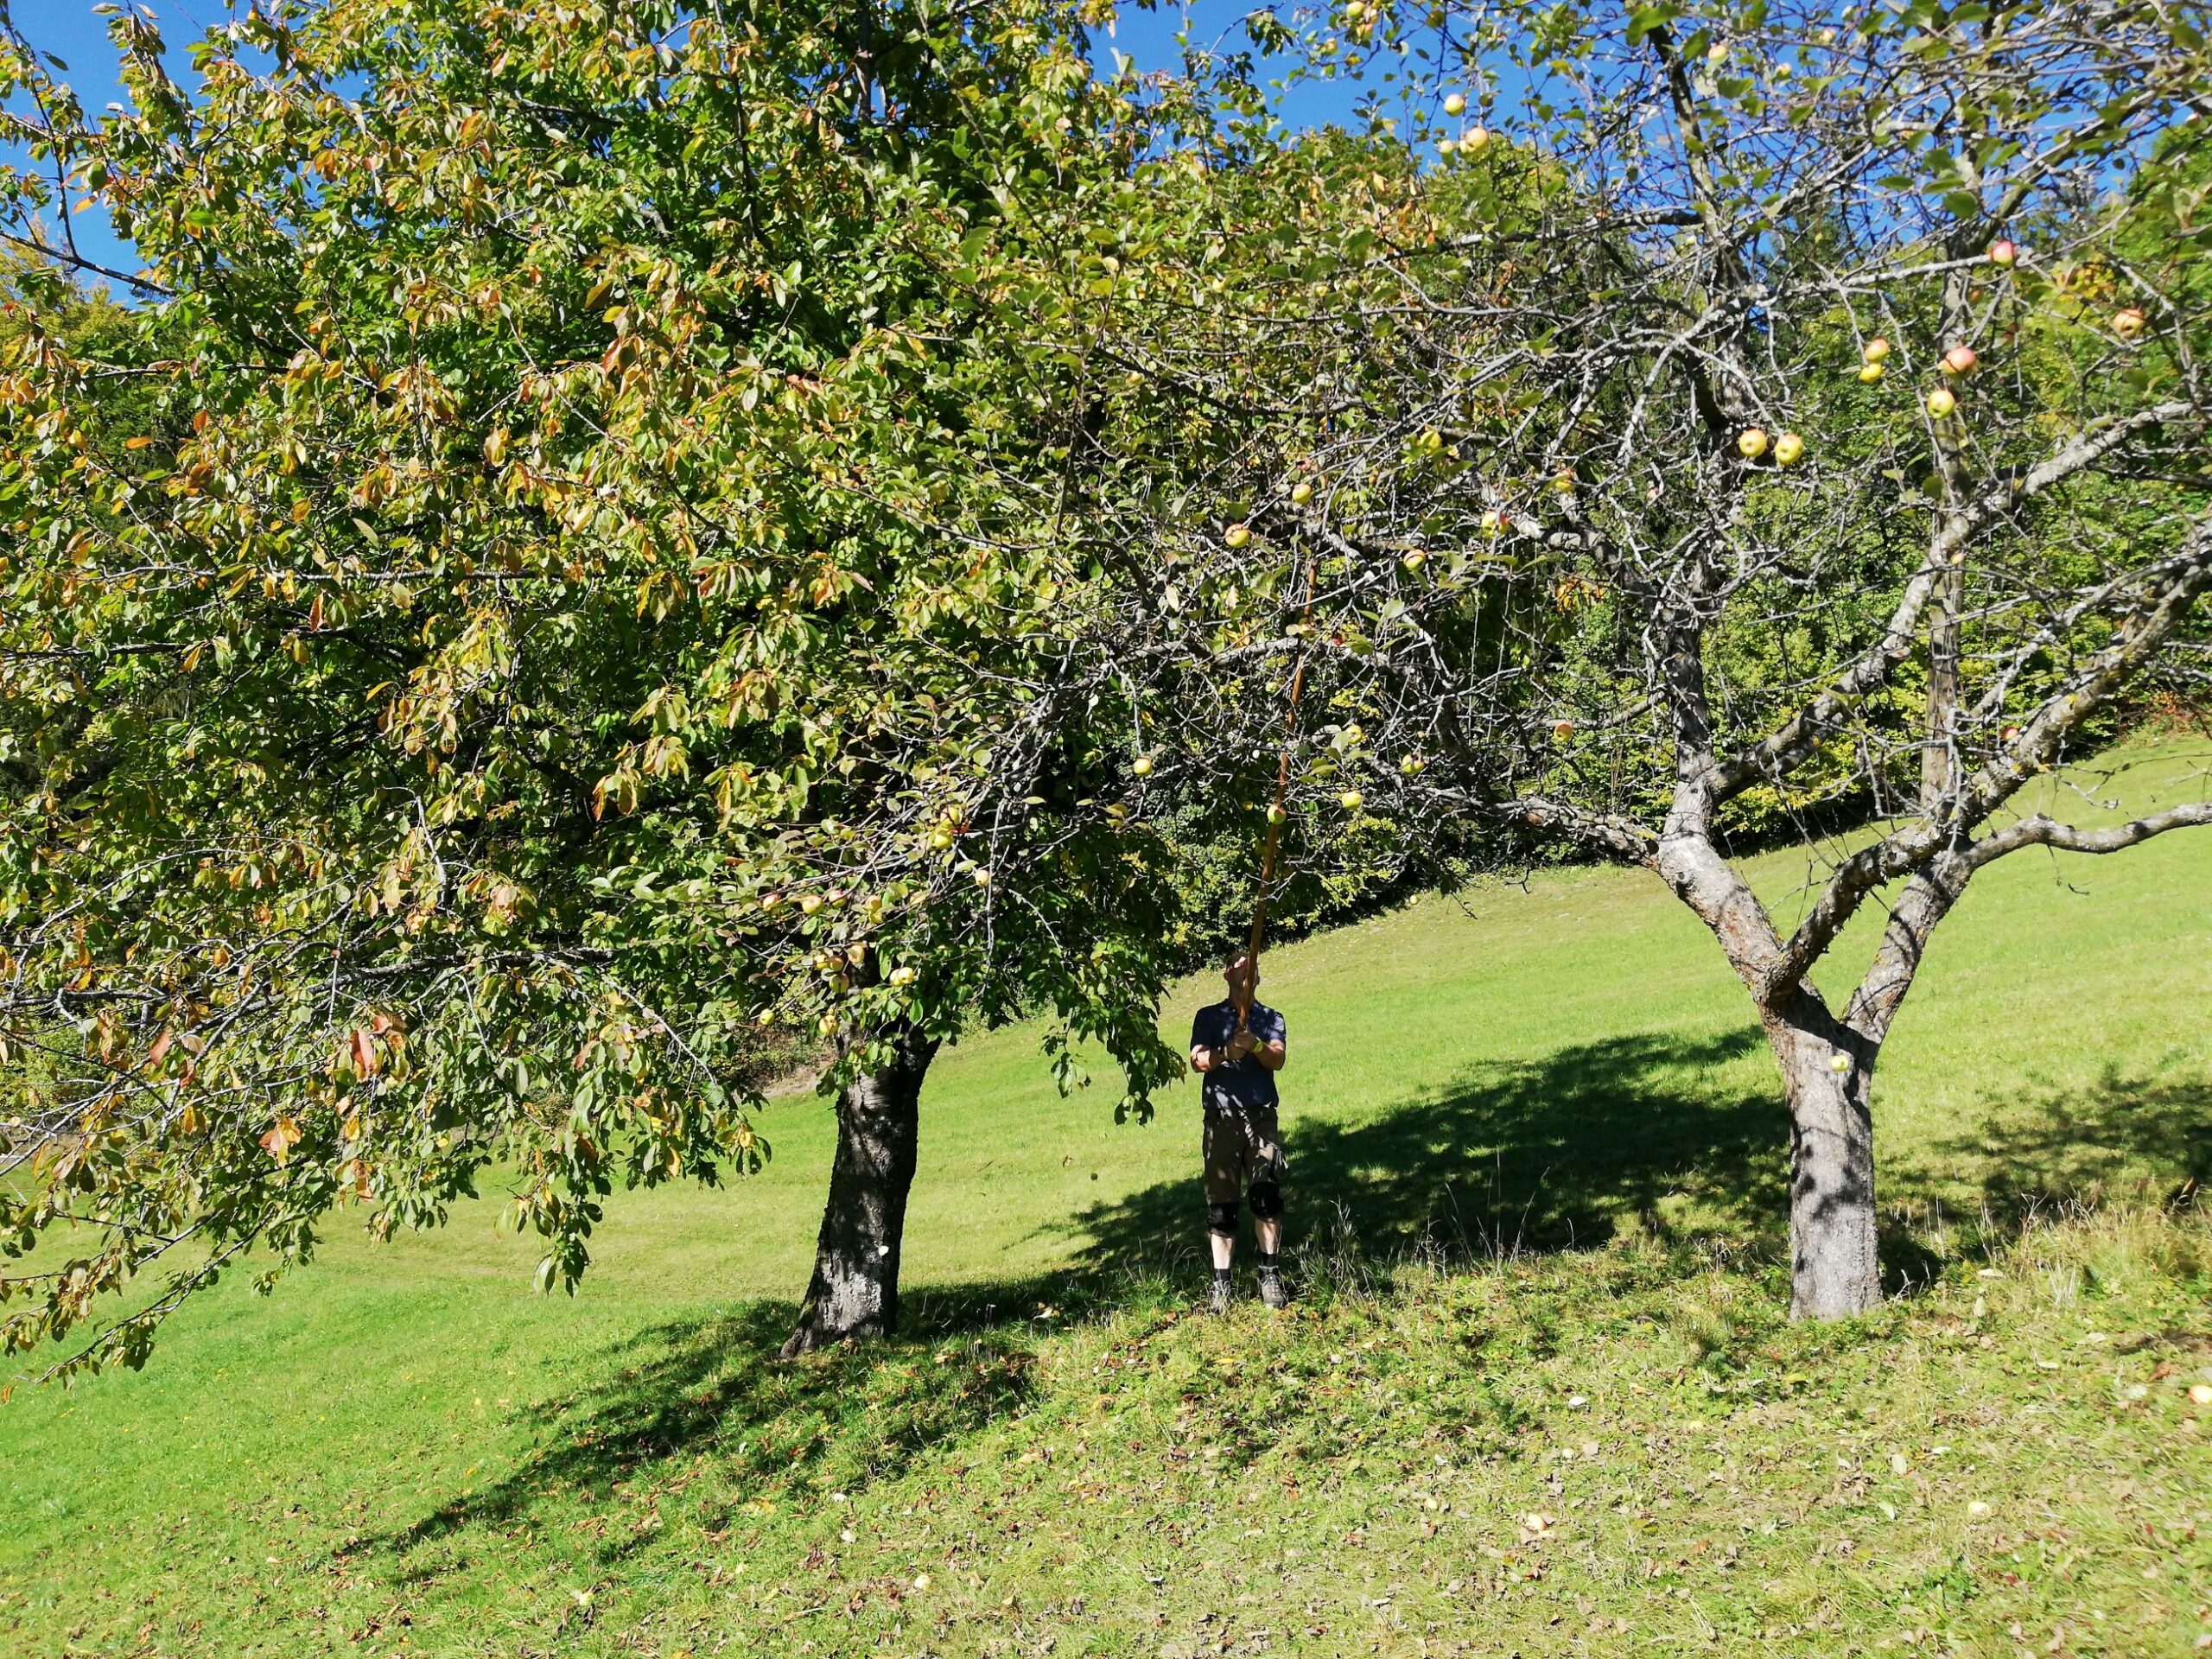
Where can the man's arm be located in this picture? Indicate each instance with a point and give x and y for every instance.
(1271, 1047)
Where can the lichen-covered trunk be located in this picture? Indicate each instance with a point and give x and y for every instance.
(855, 1291)
(1827, 1072)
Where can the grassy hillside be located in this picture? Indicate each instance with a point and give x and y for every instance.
(1536, 1152)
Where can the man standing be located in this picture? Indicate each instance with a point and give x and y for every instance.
(1237, 1045)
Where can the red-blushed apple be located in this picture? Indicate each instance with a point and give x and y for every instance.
(2127, 324)
(1960, 359)
(1276, 815)
(2003, 252)
(1415, 559)
(1563, 729)
(1874, 350)
(1494, 522)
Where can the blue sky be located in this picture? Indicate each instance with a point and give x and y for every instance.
(68, 29)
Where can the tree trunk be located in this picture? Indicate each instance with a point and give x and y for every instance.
(855, 1292)
(1835, 1269)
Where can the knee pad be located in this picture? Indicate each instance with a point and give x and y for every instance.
(1267, 1199)
(1222, 1218)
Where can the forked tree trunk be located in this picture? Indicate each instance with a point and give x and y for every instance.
(1834, 1267)
(855, 1292)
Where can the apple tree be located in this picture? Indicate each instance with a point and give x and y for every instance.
(1758, 421)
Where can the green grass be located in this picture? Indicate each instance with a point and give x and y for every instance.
(1537, 1154)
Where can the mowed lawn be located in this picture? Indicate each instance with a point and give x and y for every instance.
(1538, 1397)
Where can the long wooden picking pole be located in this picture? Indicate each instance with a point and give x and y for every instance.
(1259, 935)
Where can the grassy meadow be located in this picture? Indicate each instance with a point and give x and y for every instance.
(1538, 1395)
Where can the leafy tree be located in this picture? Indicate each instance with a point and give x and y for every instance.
(546, 634)
(1759, 421)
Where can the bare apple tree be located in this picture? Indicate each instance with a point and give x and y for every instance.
(1760, 422)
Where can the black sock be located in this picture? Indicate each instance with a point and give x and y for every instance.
(1221, 1275)
(1268, 1259)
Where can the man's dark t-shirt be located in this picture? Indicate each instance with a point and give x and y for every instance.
(1236, 1085)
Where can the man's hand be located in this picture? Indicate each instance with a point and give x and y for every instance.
(1241, 1045)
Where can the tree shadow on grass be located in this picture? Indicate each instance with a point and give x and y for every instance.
(1567, 1152)
(1563, 1152)
(2124, 1137)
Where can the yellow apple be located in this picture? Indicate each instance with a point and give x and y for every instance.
(2127, 324)
(1871, 373)
(1301, 492)
(1455, 103)
(1143, 767)
(1941, 403)
(1474, 142)
(1787, 448)
(940, 841)
(1349, 800)
(1411, 765)
(1276, 815)
(1415, 559)
(1237, 535)
(1750, 443)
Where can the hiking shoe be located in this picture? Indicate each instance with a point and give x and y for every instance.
(1217, 1298)
(1271, 1289)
